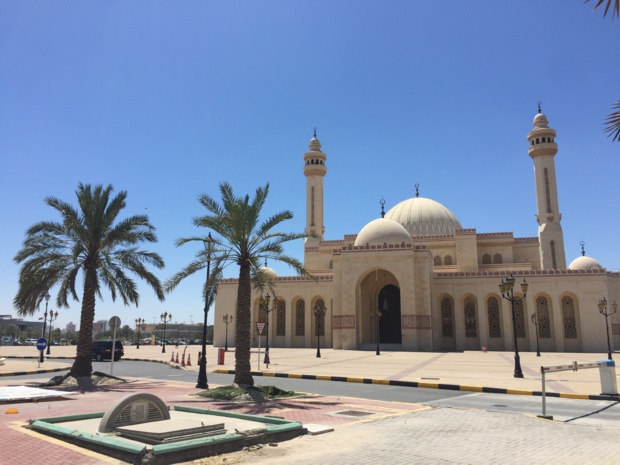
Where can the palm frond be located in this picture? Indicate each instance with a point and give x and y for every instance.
(613, 122)
(615, 3)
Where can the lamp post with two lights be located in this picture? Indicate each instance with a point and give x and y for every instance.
(507, 289)
(602, 308)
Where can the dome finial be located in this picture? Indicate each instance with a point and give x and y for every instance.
(382, 202)
(315, 131)
(417, 192)
(583, 250)
(539, 110)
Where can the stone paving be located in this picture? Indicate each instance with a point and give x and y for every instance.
(392, 432)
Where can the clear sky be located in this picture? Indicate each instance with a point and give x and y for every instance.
(165, 99)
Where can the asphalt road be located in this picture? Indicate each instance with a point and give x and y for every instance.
(575, 411)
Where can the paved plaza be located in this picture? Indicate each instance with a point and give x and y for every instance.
(390, 432)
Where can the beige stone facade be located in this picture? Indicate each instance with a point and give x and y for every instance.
(435, 284)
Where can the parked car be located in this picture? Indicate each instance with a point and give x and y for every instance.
(31, 342)
(102, 350)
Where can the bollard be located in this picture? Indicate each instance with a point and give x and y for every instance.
(220, 356)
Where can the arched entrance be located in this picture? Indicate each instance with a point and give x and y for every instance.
(389, 304)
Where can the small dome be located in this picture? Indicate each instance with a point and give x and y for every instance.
(540, 121)
(270, 272)
(585, 263)
(424, 217)
(315, 145)
(382, 231)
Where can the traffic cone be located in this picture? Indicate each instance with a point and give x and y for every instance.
(183, 360)
(172, 358)
(177, 360)
(189, 360)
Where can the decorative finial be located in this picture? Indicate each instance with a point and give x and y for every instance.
(315, 132)
(382, 202)
(583, 250)
(265, 263)
(417, 192)
(539, 110)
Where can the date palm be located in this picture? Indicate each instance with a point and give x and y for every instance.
(243, 240)
(91, 243)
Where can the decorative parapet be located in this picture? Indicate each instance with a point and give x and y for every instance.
(286, 279)
(526, 239)
(363, 248)
(497, 235)
(464, 232)
(517, 273)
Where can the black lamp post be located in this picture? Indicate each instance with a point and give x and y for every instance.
(165, 318)
(602, 308)
(507, 289)
(139, 323)
(47, 299)
(202, 370)
(319, 316)
(227, 319)
(53, 316)
(535, 321)
(264, 303)
(378, 314)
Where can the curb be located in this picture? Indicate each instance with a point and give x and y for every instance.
(35, 372)
(416, 384)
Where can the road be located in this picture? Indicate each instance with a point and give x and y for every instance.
(574, 411)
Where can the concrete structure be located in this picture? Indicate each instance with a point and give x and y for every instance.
(417, 280)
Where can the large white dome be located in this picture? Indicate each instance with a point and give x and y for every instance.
(382, 231)
(424, 217)
(585, 263)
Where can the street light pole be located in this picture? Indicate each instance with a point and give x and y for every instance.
(165, 318)
(227, 319)
(202, 370)
(535, 321)
(507, 289)
(264, 303)
(47, 299)
(319, 315)
(53, 316)
(602, 308)
(139, 322)
(379, 314)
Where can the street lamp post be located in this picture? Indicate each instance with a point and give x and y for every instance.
(264, 303)
(165, 318)
(202, 370)
(602, 308)
(47, 299)
(319, 315)
(139, 323)
(53, 316)
(227, 319)
(507, 289)
(535, 321)
(378, 314)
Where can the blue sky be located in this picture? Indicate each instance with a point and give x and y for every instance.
(165, 99)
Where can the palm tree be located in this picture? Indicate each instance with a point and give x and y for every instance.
(613, 122)
(244, 242)
(90, 242)
(614, 12)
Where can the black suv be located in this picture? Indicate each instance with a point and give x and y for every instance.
(103, 350)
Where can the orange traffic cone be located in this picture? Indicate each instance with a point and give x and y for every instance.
(172, 358)
(189, 360)
(177, 360)
(183, 360)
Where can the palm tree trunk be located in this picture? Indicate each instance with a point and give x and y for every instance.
(83, 364)
(243, 373)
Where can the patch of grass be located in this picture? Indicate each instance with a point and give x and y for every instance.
(251, 393)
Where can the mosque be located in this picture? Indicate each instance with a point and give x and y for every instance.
(416, 280)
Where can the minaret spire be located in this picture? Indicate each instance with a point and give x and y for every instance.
(314, 170)
(542, 149)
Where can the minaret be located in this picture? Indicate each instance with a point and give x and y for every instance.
(542, 150)
(314, 169)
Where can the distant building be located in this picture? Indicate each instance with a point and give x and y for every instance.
(416, 280)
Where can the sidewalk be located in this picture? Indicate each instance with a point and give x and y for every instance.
(472, 371)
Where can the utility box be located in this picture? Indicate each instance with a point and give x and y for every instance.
(220, 356)
(609, 383)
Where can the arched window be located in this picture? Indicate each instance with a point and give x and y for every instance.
(486, 259)
(497, 258)
(319, 327)
(447, 318)
(437, 260)
(568, 315)
(300, 318)
(495, 328)
(542, 312)
(470, 318)
(447, 260)
(537, 140)
(281, 318)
